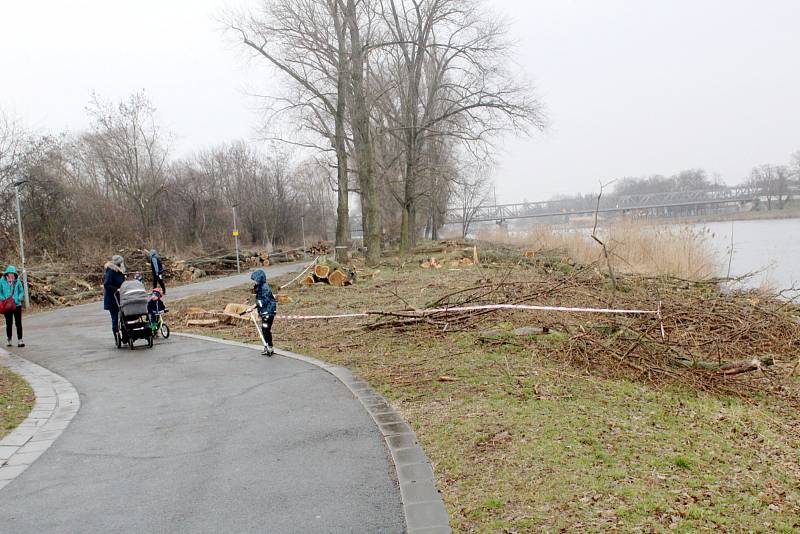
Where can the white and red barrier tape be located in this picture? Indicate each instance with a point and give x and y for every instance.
(456, 309)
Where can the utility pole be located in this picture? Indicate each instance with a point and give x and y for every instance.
(22, 245)
(303, 229)
(236, 238)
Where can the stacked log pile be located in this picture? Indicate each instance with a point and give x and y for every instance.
(56, 284)
(326, 271)
(195, 268)
(62, 290)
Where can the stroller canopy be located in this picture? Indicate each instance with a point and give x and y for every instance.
(133, 298)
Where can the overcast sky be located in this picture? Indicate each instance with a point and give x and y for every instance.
(632, 87)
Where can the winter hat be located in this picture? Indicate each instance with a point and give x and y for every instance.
(117, 260)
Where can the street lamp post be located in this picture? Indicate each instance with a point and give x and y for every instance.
(22, 245)
(236, 238)
(303, 230)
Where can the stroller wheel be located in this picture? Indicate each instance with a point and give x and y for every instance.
(150, 342)
(130, 343)
(164, 331)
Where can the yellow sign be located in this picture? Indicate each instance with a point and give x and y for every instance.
(235, 233)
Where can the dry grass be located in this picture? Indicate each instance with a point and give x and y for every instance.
(635, 247)
(16, 400)
(535, 433)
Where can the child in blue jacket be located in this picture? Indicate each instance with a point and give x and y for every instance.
(267, 306)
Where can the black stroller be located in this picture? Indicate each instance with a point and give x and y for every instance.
(134, 323)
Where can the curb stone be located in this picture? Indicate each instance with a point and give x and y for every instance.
(57, 403)
(423, 506)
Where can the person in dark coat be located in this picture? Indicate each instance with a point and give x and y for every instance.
(267, 306)
(113, 277)
(158, 270)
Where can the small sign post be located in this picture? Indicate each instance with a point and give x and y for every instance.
(236, 238)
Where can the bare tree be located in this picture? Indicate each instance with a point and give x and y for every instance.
(129, 148)
(12, 142)
(451, 75)
(470, 193)
(783, 176)
(354, 14)
(307, 41)
(771, 181)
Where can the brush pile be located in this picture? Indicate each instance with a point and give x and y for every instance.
(715, 340)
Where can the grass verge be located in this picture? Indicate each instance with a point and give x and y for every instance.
(16, 400)
(535, 432)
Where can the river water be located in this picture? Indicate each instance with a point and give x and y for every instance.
(770, 247)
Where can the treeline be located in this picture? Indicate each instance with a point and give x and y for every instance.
(688, 180)
(773, 182)
(393, 103)
(116, 186)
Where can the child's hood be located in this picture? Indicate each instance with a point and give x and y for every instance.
(259, 277)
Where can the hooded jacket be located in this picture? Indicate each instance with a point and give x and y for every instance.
(155, 262)
(265, 300)
(113, 277)
(14, 289)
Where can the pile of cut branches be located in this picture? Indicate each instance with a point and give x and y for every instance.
(728, 342)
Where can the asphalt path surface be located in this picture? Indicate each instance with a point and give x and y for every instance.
(195, 436)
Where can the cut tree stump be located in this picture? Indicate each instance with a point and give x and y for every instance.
(234, 308)
(330, 272)
(338, 278)
(321, 271)
(431, 263)
(232, 313)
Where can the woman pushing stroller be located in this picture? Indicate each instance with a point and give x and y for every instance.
(113, 278)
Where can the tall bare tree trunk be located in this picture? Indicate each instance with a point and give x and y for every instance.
(407, 221)
(361, 139)
(342, 206)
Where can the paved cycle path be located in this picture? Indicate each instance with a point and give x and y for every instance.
(194, 436)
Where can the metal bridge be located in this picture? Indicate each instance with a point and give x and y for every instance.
(608, 204)
(659, 203)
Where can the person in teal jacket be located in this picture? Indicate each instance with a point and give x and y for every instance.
(11, 286)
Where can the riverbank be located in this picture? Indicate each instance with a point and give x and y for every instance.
(790, 211)
(547, 420)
